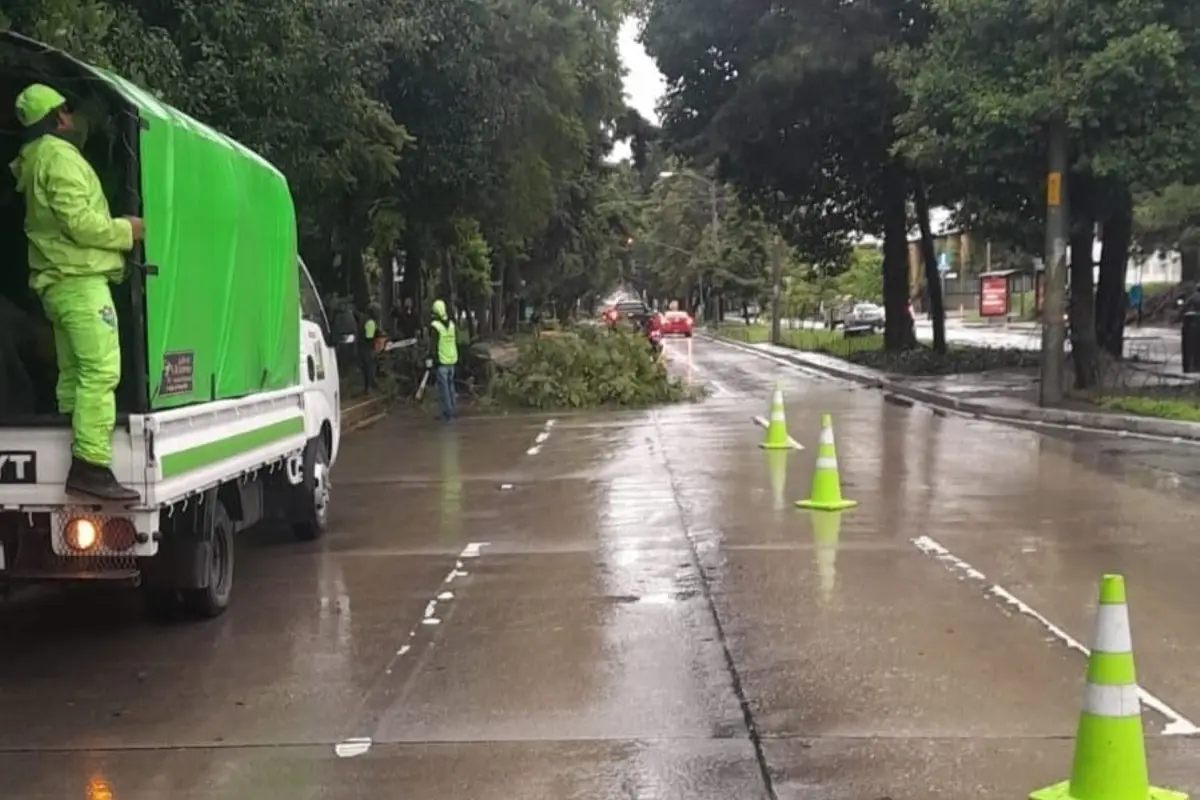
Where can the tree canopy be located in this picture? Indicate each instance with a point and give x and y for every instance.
(856, 117)
(463, 141)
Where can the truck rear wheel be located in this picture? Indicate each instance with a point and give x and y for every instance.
(312, 501)
(212, 600)
(199, 557)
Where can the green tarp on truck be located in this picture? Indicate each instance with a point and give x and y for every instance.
(222, 298)
(215, 307)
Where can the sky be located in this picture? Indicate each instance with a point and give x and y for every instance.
(644, 84)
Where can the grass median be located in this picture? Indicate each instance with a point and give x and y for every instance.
(866, 350)
(834, 343)
(1182, 410)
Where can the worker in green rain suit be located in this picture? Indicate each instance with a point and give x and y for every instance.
(76, 249)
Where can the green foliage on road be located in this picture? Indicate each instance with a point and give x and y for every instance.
(587, 368)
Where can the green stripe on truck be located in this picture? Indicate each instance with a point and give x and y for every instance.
(211, 452)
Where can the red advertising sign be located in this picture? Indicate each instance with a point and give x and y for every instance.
(993, 296)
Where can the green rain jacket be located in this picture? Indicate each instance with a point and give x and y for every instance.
(71, 232)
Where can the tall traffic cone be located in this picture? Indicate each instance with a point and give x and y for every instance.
(1110, 751)
(827, 529)
(777, 434)
(826, 486)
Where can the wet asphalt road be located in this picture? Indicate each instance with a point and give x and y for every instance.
(628, 606)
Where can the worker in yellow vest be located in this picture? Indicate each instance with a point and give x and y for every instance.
(444, 357)
(366, 347)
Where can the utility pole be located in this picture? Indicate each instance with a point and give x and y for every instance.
(776, 286)
(1054, 330)
(716, 238)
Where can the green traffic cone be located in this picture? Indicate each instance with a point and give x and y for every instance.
(827, 486)
(777, 434)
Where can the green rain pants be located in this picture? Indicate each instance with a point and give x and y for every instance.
(89, 362)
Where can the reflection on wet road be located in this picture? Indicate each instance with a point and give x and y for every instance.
(630, 606)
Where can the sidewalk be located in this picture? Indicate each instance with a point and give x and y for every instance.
(359, 412)
(1006, 395)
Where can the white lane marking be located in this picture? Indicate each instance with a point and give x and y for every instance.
(357, 745)
(541, 438)
(762, 423)
(350, 748)
(1177, 724)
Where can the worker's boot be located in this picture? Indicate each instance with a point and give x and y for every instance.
(97, 482)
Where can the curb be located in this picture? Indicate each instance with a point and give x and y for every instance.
(1114, 423)
(363, 413)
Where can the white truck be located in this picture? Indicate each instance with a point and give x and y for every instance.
(239, 419)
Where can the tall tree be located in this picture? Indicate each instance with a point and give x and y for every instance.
(993, 72)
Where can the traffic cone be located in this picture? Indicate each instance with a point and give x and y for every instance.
(1110, 751)
(826, 486)
(777, 435)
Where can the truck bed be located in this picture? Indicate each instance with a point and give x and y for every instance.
(166, 456)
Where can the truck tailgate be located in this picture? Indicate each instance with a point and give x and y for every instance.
(34, 463)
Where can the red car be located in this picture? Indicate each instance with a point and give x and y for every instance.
(677, 323)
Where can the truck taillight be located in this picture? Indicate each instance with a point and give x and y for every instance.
(81, 534)
(85, 534)
(119, 534)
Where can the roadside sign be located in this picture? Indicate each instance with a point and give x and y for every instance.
(993, 296)
(944, 263)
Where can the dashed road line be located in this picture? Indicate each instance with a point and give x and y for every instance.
(541, 438)
(359, 745)
(1177, 724)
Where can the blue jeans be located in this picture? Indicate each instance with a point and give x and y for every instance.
(445, 387)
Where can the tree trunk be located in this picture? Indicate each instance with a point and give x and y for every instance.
(356, 274)
(387, 289)
(1189, 271)
(897, 328)
(410, 285)
(933, 279)
(1114, 261)
(1084, 350)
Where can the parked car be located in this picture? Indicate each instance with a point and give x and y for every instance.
(865, 315)
(677, 323)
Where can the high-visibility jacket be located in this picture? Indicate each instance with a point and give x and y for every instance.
(446, 346)
(71, 232)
